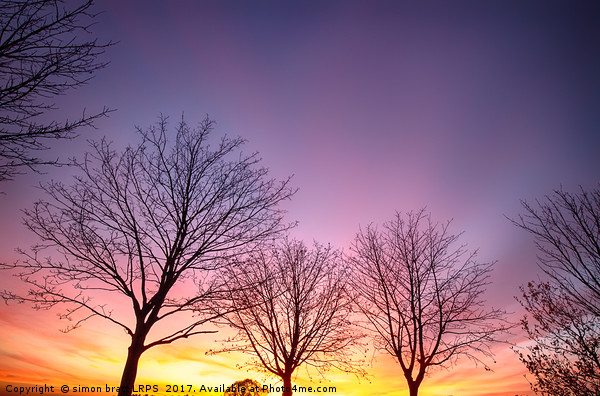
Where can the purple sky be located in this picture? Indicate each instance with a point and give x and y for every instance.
(463, 107)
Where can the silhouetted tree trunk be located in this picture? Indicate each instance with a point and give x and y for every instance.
(287, 384)
(415, 383)
(134, 352)
(413, 388)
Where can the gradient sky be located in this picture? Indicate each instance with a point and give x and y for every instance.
(464, 107)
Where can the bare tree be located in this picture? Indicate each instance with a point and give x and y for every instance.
(148, 223)
(290, 308)
(45, 51)
(423, 295)
(564, 311)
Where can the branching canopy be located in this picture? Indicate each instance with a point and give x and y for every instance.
(298, 310)
(146, 224)
(563, 318)
(422, 294)
(45, 51)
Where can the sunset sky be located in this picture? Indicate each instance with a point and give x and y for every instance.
(463, 107)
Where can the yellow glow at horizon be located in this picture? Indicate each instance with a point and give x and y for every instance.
(34, 351)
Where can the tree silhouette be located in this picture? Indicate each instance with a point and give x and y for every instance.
(422, 295)
(147, 224)
(246, 387)
(290, 308)
(44, 52)
(563, 319)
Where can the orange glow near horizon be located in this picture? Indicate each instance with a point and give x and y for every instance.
(35, 352)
